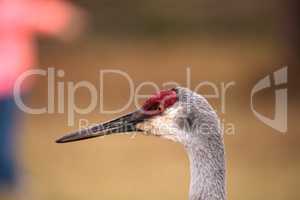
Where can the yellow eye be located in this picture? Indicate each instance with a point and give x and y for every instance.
(161, 107)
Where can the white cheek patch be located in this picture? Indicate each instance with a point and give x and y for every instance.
(162, 125)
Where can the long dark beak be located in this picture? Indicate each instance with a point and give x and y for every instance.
(126, 123)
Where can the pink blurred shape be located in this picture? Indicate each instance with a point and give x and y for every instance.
(20, 21)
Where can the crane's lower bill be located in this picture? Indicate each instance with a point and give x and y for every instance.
(122, 124)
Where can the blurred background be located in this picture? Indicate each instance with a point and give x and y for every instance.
(240, 41)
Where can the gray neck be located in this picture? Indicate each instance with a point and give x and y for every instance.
(207, 168)
(200, 132)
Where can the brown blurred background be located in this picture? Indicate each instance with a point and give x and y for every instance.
(241, 41)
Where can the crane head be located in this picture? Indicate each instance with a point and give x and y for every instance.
(135, 121)
(172, 114)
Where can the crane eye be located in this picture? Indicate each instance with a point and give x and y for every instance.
(154, 106)
(160, 108)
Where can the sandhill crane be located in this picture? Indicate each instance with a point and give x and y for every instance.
(182, 116)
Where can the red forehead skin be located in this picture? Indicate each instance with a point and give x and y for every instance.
(165, 98)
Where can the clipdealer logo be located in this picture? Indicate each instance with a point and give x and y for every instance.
(56, 89)
(280, 77)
